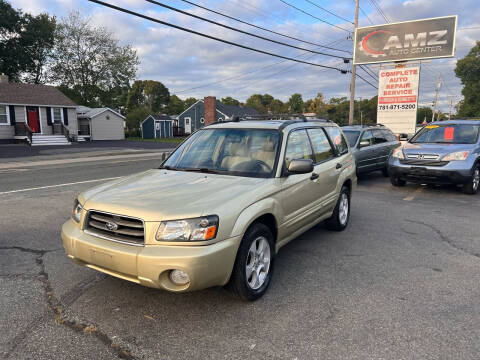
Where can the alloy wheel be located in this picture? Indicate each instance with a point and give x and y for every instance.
(258, 262)
(476, 179)
(343, 209)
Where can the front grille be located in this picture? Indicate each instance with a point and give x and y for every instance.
(423, 162)
(115, 227)
(422, 156)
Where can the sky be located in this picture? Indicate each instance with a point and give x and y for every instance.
(193, 66)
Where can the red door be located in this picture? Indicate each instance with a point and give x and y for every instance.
(33, 119)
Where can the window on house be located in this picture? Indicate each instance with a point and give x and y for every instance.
(3, 114)
(202, 120)
(57, 115)
(220, 119)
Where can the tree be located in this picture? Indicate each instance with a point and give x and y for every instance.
(136, 116)
(255, 101)
(148, 93)
(316, 105)
(26, 43)
(175, 105)
(468, 70)
(295, 103)
(230, 101)
(265, 103)
(424, 113)
(189, 102)
(89, 60)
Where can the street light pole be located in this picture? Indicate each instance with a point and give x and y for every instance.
(354, 70)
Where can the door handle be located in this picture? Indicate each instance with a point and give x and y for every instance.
(338, 166)
(314, 176)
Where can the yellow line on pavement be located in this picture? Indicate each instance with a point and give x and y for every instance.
(412, 196)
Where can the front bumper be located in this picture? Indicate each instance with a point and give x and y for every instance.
(150, 265)
(455, 172)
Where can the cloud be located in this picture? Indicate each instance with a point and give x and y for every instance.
(184, 61)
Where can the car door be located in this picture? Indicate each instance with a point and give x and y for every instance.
(327, 165)
(381, 147)
(299, 191)
(393, 142)
(366, 152)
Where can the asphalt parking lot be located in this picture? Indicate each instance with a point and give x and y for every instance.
(400, 283)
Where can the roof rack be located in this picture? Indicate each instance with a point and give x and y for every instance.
(270, 117)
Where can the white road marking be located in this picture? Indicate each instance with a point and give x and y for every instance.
(412, 196)
(58, 185)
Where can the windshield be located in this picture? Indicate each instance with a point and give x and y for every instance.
(242, 152)
(447, 134)
(351, 136)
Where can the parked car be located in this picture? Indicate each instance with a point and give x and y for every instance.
(371, 145)
(218, 209)
(443, 152)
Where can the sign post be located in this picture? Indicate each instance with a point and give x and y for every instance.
(398, 99)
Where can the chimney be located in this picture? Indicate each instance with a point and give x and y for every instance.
(3, 79)
(210, 106)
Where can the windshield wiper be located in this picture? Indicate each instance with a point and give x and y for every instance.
(202, 170)
(167, 167)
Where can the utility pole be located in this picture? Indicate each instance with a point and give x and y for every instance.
(354, 69)
(437, 89)
(451, 105)
(361, 112)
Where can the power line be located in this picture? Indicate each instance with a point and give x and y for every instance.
(368, 73)
(364, 13)
(313, 16)
(247, 73)
(240, 31)
(261, 28)
(469, 28)
(328, 11)
(379, 9)
(210, 36)
(368, 82)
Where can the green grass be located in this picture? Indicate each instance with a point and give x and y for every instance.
(169, 140)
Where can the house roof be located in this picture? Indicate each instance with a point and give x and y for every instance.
(86, 112)
(231, 110)
(161, 117)
(33, 94)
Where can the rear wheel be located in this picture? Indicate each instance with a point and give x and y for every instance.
(341, 214)
(253, 267)
(472, 186)
(397, 181)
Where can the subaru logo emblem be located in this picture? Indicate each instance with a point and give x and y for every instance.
(111, 226)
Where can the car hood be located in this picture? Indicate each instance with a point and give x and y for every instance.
(157, 195)
(437, 149)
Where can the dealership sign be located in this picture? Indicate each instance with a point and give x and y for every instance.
(410, 40)
(398, 98)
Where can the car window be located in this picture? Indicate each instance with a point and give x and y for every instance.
(298, 147)
(379, 137)
(447, 134)
(242, 152)
(367, 136)
(322, 150)
(389, 135)
(352, 136)
(338, 140)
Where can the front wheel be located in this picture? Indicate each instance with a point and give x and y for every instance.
(472, 186)
(253, 267)
(397, 181)
(341, 214)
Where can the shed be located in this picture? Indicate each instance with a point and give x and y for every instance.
(100, 124)
(157, 126)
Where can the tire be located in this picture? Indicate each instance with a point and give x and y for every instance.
(244, 285)
(385, 172)
(473, 185)
(397, 181)
(339, 220)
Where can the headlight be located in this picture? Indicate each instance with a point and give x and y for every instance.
(196, 229)
(459, 155)
(77, 211)
(398, 153)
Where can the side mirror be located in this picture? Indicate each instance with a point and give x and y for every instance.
(300, 166)
(364, 143)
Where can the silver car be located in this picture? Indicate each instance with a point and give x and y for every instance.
(371, 145)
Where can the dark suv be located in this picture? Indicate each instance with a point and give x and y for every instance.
(443, 152)
(371, 145)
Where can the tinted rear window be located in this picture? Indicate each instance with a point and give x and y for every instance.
(352, 136)
(447, 134)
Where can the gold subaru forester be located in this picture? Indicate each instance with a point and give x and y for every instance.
(218, 209)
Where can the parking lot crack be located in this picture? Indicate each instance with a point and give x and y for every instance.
(444, 238)
(57, 308)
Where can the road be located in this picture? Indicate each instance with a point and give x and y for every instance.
(400, 283)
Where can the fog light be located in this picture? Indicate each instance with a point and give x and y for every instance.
(179, 277)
